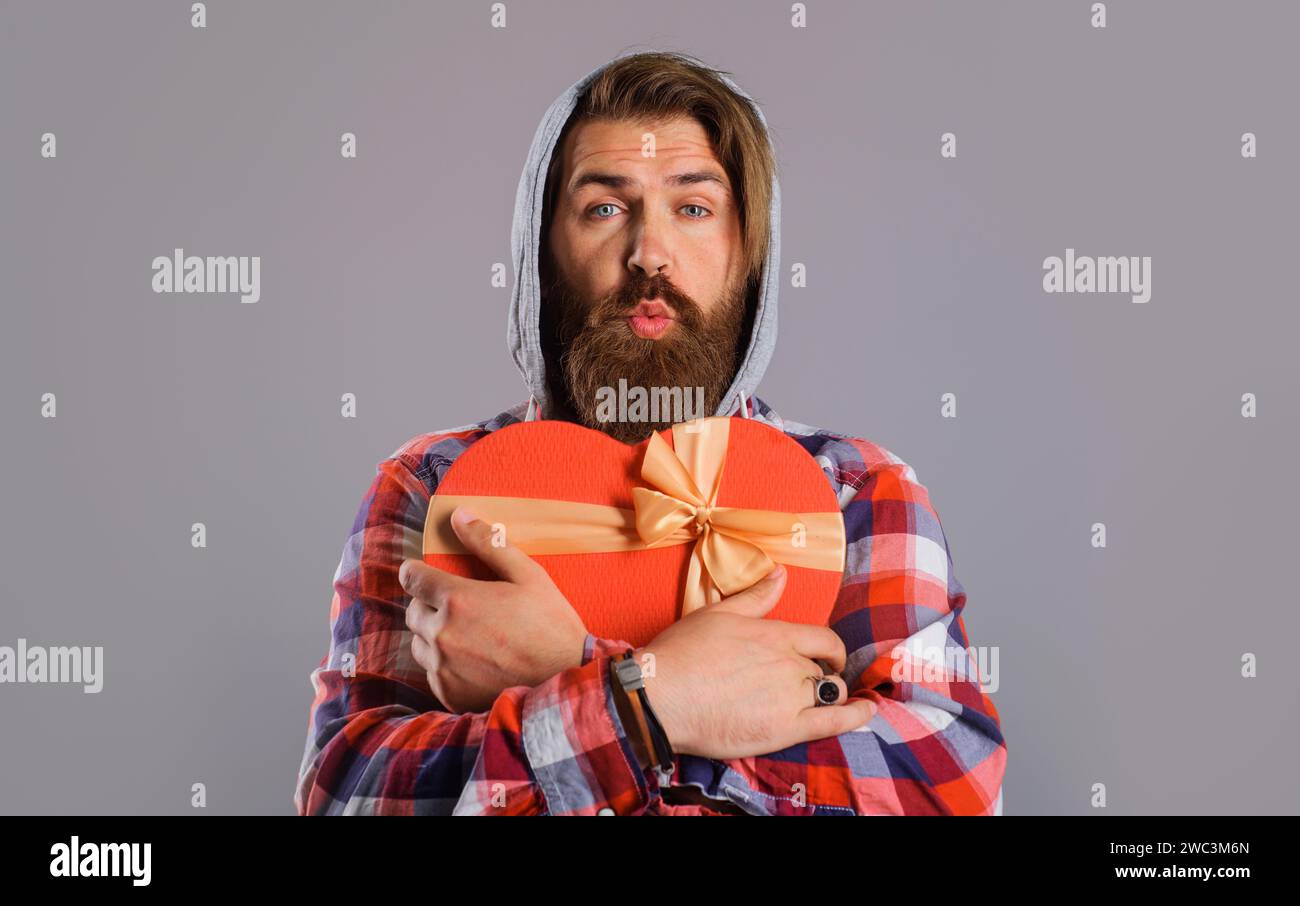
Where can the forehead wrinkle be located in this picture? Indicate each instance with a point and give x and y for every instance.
(675, 180)
(674, 143)
(701, 174)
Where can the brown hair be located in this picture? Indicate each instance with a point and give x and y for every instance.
(657, 85)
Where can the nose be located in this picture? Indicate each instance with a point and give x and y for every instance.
(649, 249)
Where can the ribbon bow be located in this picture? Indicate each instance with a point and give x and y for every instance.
(733, 546)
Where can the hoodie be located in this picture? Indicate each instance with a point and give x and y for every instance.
(379, 741)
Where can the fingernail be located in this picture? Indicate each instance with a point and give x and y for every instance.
(777, 572)
(464, 516)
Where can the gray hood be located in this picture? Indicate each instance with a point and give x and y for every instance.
(524, 332)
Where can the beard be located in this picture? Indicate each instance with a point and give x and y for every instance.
(590, 346)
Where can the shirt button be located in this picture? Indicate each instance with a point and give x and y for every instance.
(605, 811)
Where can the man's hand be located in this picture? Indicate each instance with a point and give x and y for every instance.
(727, 683)
(477, 638)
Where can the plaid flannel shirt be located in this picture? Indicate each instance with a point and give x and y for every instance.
(379, 742)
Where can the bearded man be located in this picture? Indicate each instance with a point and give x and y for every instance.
(646, 251)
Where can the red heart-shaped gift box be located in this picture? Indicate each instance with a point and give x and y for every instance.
(632, 596)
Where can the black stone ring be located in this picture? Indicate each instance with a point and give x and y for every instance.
(827, 690)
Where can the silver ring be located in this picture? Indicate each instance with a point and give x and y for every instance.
(825, 691)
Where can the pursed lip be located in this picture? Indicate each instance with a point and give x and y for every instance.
(654, 309)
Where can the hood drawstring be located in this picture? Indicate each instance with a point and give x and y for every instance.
(532, 406)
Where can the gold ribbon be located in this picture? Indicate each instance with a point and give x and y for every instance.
(734, 547)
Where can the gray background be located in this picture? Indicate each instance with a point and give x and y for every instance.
(1119, 666)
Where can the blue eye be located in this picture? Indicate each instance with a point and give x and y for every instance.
(700, 207)
(605, 205)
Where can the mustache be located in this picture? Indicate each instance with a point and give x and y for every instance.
(641, 288)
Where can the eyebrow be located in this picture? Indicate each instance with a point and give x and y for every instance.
(615, 181)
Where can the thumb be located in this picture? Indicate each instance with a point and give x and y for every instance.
(488, 543)
(757, 600)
